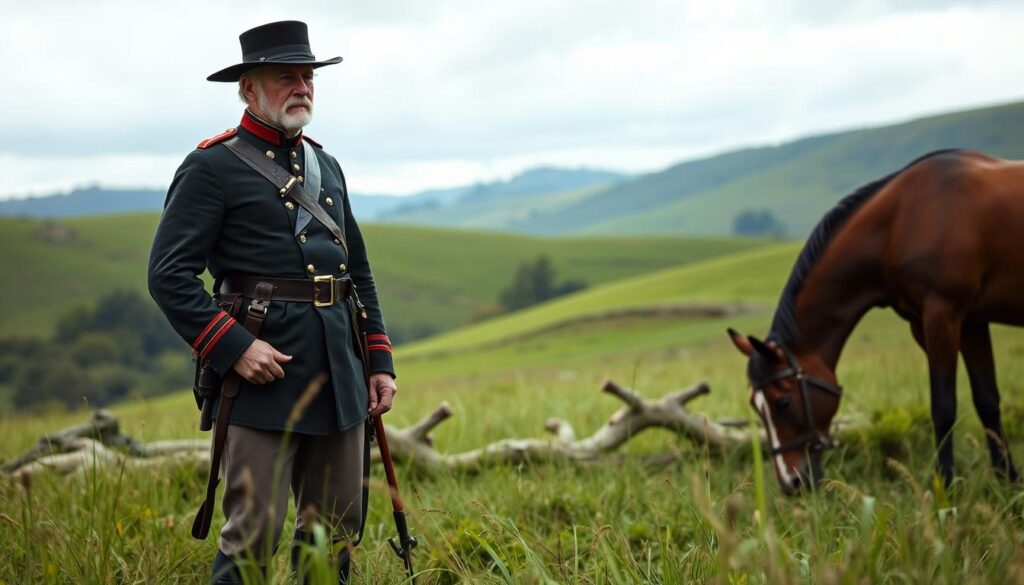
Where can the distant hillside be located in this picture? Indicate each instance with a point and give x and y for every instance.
(498, 204)
(431, 279)
(482, 205)
(781, 189)
(85, 201)
(89, 201)
(797, 182)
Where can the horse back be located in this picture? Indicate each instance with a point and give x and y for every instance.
(955, 229)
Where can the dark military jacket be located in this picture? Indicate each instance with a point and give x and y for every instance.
(223, 216)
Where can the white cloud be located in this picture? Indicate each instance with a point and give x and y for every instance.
(433, 94)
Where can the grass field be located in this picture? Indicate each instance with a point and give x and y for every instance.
(430, 278)
(699, 518)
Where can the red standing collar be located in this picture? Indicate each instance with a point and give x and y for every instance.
(266, 131)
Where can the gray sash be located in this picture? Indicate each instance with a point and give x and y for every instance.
(312, 185)
(285, 183)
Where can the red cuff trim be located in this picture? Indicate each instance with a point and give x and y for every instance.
(378, 337)
(209, 327)
(220, 333)
(386, 348)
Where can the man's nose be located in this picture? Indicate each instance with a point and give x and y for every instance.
(303, 88)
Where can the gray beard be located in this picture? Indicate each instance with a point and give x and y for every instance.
(290, 123)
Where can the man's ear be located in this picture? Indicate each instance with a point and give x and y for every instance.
(248, 85)
(741, 342)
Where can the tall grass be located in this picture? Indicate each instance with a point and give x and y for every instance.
(698, 518)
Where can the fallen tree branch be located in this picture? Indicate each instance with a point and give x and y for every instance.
(100, 443)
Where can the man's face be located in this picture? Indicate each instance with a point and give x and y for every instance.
(284, 95)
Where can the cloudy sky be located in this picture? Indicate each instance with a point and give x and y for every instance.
(444, 93)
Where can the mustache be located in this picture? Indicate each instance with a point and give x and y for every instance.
(300, 101)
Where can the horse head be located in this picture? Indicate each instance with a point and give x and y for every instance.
(796, 406)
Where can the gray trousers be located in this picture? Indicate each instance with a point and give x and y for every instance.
(324, 473)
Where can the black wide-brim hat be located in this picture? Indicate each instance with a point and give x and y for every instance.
(276, 43)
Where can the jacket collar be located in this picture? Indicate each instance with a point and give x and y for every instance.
(266, 131)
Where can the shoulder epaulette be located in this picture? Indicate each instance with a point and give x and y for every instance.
(218, 138)
(311, 141)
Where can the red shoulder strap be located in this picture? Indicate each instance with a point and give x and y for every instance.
(218, 138)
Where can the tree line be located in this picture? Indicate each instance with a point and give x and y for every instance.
(122, 346)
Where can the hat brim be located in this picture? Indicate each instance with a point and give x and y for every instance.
(234, 72)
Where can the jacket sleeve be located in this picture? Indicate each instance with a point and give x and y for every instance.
(185, 235)
(381, 360)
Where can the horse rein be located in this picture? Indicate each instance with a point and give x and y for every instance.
(811, 439)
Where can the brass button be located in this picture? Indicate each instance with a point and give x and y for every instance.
(270, 154)
(296, 167)
(289, 205)
(329, 201)
(310, 269)
(294, 154)
(337, 241)
(321, 189)
(342, 267)
(302, 238)
(300, 178)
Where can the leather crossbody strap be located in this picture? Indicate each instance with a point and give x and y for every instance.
(255, 314)
(285, 182)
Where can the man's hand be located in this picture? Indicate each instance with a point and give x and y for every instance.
(382, 393)
(261, 363)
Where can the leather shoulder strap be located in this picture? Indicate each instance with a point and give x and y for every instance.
(285, 182)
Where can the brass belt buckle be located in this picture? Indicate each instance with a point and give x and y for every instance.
(329, 279)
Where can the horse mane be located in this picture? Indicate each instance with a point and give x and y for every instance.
(784, 329)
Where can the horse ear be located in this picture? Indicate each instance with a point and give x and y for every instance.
(764, 349)
(741, 342)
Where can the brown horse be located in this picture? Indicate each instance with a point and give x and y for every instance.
(939, 242)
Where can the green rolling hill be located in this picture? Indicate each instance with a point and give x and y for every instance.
(431, 279)
(753, 277)
(797, 181)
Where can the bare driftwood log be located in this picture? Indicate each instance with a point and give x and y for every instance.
(103, 426)
(639, 414)
(100, 443)
(85, 454)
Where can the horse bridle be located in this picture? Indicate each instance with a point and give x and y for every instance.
(810, 439)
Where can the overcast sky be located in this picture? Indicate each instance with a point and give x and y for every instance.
(447, 92)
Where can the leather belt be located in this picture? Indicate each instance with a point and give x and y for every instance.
(322, 291)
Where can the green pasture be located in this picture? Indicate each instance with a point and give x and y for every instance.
(694, 517)
(752, 278)
(431, 279)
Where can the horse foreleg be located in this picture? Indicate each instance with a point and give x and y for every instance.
(918, 331)
(941, 322)
(976, 347)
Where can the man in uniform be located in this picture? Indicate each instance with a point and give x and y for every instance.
(285, 267)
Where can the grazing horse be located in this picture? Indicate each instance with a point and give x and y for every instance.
(938, 241)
